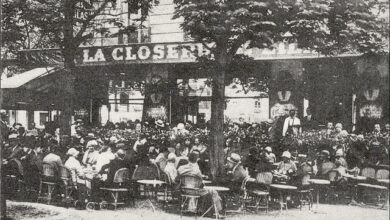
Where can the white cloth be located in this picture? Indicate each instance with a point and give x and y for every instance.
(290, 122)
(74, 167)
(171, 171)
(103, 159)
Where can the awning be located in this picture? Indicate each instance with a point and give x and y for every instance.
(34, 89)
(29, 79)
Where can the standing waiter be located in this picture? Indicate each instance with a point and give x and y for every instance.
(292, 125)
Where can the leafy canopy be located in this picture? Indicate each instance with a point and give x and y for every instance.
(326, 26)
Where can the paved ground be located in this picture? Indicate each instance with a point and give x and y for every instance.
(24, 210)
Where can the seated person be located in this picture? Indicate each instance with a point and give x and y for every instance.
(264, 168)
(286, 168)
(324, 165)
(182, 159)
(236, 173)
(304, 171)
(104, 157)
(110, 169)
(170, 168)
(91, 154)
(271, 156)
(74, 166)
(161, 159)
(53, 158)
(251, 160)
(192, 169)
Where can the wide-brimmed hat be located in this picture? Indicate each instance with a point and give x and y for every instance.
(286, 154)
(180, 126)
(159, 123)
(339, 153)
(72, 152)
(234, 158)
(268, 149)
(12, 137)
(91, 136)
(325, 153)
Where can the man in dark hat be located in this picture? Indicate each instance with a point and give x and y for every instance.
(324, 165)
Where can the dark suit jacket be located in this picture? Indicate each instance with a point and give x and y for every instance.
(16, 153)
(112, 167)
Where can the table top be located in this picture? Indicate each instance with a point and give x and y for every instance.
(151, 182)
(217, 188)
(319, 181)
(355, 177)
(281, 186)
(383, 180)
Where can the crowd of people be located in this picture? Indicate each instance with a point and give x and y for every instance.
(251, 152)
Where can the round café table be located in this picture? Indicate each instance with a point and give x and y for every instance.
(319, 183)
(149, 193)
(216, 188)
(280, 188)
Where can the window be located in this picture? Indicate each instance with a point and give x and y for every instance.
(43, 118)
(257, 105)
(123, 99)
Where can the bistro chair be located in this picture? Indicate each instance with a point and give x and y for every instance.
(169, 189)
(122, 180)
(15, 177)
(368, 172)
(48, 181)
(190, 190)
(68, 185)
(150, 172)
(254, 193)
(382, 174)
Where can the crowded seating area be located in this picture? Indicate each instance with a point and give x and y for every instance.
(116, 165)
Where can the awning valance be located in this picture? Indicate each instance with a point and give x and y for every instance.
(36, 89)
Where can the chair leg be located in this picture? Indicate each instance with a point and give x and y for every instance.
(266, 204)
(50, 189)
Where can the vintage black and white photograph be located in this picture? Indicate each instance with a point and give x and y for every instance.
(194, 109)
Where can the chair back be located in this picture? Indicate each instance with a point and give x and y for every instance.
(333, 175)
(15, 167)
(190, 182)
(368, 172)
(122, 176)
(48, 170)
(65, 175)
(382, 174)
(165, 178)
(146, 173)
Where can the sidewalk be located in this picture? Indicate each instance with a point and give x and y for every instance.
(24, 210)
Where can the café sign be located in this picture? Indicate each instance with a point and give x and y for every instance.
(143, 53)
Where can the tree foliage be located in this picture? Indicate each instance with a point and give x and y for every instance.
(226, 26)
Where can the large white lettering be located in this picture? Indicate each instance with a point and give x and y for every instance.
(172, 51)
(99, 56)
(143, 52)
(86, 57)
(117, 53)
(129, 54)
(158, 51)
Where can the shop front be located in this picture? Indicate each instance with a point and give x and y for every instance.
(163, 81)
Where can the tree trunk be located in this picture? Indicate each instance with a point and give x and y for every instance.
(67, 78)
(67, 84)
(217, 157)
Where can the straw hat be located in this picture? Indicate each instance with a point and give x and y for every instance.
(286, 154)
(234, 158)
(72, 152)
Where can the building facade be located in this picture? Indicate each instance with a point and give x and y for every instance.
(152, 74)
